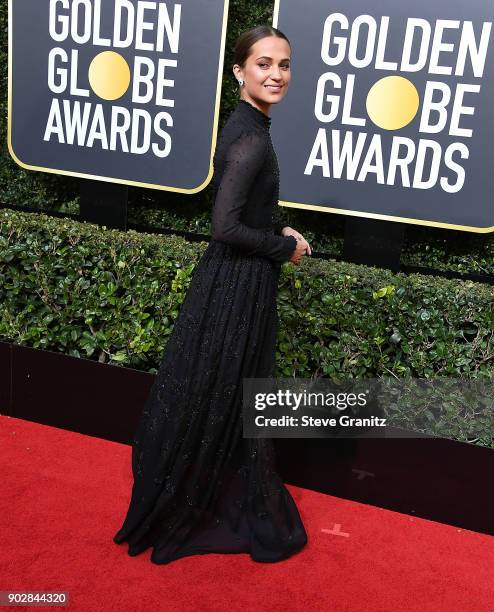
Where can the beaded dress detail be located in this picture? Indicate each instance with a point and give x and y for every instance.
(199, 486)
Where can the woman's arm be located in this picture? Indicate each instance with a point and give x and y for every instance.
(282, 227)
(244, 159)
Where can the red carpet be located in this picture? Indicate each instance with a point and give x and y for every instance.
(64, 495)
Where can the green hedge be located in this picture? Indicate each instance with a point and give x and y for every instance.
(113, 296)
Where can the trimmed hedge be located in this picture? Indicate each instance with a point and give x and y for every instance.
(439, 249)
(113, 296)
(109, 295)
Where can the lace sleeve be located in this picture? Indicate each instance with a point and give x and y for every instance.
(244, 159)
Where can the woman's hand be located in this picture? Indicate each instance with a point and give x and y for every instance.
(289, 231)
(299, 251)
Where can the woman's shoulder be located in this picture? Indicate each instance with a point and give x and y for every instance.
(241, 141)
(242, 144)
(238, 129)
(240, 123)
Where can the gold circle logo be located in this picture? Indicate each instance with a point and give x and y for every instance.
(109, 75)
(392, 102)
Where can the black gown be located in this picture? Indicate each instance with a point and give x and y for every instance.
(199, 486)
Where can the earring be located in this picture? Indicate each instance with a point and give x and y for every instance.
(241, 82)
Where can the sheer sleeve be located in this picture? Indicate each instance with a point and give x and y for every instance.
(244, 159)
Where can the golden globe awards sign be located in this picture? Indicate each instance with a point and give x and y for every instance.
(119, 90)
(389, 113)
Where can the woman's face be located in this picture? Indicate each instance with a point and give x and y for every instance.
(266, 72)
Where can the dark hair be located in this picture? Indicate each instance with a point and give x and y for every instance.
(246, 40)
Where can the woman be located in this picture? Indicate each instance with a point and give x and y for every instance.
(199, 486)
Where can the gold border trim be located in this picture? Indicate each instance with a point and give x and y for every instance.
(110, 178)
(357, 213)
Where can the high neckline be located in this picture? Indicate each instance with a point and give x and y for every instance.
(256, 114)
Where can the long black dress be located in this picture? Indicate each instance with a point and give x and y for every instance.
(199, 486)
